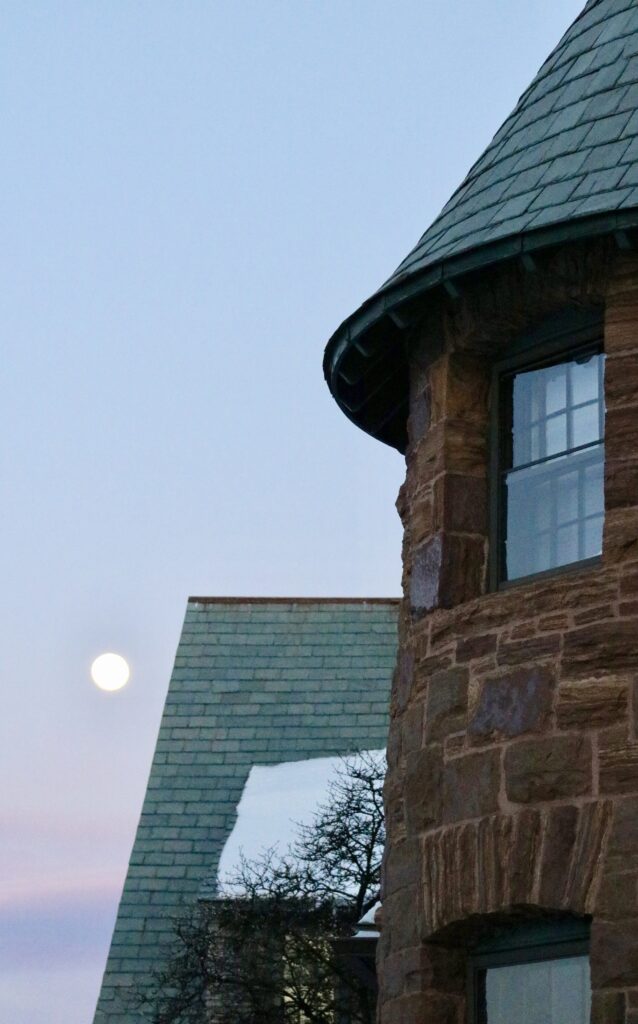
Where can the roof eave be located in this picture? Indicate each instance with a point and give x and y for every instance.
(387, 303)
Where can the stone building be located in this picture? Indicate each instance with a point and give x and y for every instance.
(502, 358)
(255, 682)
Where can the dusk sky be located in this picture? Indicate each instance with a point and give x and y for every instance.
(194, 195)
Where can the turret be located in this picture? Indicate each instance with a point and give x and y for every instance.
(501, 358)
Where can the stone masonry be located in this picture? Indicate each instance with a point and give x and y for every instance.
(513, 751)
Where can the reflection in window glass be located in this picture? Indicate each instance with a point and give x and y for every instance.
(554, 486)
(549, 992)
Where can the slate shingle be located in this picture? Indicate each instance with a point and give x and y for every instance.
(587, 106)
(254, 682)
(556, 160)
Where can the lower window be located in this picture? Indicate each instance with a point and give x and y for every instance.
(538, 974)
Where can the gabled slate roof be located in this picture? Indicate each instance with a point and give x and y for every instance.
(563, 165)
(254, 682)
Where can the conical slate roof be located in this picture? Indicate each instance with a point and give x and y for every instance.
(564, 164)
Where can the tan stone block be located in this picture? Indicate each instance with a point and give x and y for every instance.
(618, 769)
(596, 614)
(608, 647)
(460, 504)
(422, 790)
(621, 432)
(608, 1008)
(523, 855)
(420, 414)
(446, 705)
(558, 622)
(403, 678)
(553, 768)
(464, 449)
(621, 378)
(412, 729)
(614, 953)
(421, 519)
(557, 853)
(512, 704)
(476, 647)
(618, 896)
(471, 786)
(522, 631)
(620, 535)
(628, 585)
(621, 484)
(446, 571)
(590, 705)
(594, 824)
(400, 865)
(622, 854)
(517, 652)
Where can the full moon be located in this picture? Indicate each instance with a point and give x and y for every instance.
(110, 672)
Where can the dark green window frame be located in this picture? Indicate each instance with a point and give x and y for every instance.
(518, 945)
(571, 335)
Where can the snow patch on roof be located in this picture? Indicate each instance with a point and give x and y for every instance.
(275, 801)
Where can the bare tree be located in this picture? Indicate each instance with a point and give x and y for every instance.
(262, 952)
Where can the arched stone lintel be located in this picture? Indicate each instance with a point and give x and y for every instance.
(549, 858)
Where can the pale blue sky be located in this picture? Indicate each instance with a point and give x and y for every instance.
(193, 195)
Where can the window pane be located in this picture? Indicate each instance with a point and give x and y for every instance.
(554, 513)
(550, 992)
(567, 497)
(567, 544)
(585, 425)
(584, 380)
(594, 487)
(555, 383)
(593, 537)
(556, 435)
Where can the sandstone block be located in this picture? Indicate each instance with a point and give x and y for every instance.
(621, 379)
(460, 504)
(552, 768)
(403, 676)
(618, 896)
(475, 647)
(620, 535)
(621, 484)
(588, 705)
(420, 415)
(608, 647)
(623, 844)
(523, 855)
(422, 790)
(422, 523)
(614, 953)
(608, 1008)
(471, 786)
(412, 729)
(557, 854)
(446, 703)
(621, 431)
(511, 705)
(517, 652)
(446, 571)
(618, 769)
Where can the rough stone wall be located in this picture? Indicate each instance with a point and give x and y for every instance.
(513, 753)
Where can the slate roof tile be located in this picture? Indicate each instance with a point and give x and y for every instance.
(582, 101)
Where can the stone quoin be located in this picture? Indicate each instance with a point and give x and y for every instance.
(502, 359)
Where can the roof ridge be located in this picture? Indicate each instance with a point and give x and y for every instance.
(294, 600)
